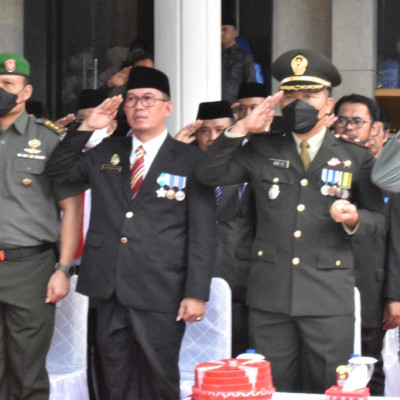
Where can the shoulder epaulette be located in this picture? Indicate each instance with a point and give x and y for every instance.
(51, 125)
(356, 141)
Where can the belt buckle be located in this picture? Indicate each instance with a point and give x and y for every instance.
(2, 255)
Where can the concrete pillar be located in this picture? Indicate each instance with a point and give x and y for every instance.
(354, 44)
(188, 49)
(11, 26)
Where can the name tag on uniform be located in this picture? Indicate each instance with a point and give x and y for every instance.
(110, 167)
(280, 163)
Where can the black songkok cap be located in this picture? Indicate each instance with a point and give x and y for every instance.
(145, 77)
(214, 110)
(303, 69)
(90, 98)
(228, 20)
(252, 89)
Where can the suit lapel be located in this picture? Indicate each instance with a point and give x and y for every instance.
(325, 152)
(289, 152)
(126, 169)
(227, 195)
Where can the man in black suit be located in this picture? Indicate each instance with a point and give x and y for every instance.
(235, 224)
(357, 117)
(149, 248)
(313, 194)
(375, 257)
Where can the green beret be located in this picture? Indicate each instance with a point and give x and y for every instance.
(304, 69)
(13, 64)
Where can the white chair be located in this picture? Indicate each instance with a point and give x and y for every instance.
(66, 360)
(209, 339)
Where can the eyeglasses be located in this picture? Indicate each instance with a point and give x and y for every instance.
(148, 100)
(357, 123)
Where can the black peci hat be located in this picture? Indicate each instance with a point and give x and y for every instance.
(252, 89)
(214, 109)
(304, 69)
(145, 77)
(90, 98)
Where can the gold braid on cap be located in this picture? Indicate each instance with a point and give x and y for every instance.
(320, 83)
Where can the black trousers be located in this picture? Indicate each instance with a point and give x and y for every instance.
(26, 326)
(240, 328)
(371, 345)
(303, 351)
(139, 352)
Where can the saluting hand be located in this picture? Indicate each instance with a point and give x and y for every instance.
(260, 118)
(188, 133)
(330, 120)
(102, 115)
(120, 78)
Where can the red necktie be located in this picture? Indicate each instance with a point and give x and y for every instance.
(137, 171)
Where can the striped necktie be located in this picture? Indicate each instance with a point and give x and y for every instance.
(137, 171)
(218, 192)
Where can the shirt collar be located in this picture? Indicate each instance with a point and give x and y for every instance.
(151, 146)
(314, 142)
(21, 123)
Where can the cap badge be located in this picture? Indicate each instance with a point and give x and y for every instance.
(10, 65)
(299, 65)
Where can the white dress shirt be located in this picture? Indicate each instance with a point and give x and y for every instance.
(151, 148)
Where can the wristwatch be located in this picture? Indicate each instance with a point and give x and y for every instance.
(68, 270)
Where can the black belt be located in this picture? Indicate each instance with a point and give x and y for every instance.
(20, 252)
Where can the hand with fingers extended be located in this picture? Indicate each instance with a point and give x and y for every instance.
(120, 78)
(66, 120)
(259, 119)
(102, 115)
(188, 133)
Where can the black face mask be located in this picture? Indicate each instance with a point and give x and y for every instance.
(7, 102)
(300, 117)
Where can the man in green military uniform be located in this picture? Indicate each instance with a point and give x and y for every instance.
(313, 194)
(31, 281)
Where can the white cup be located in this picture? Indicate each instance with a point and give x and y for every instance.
(369, 362)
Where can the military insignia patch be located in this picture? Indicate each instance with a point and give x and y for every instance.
(333, 162)
(299, 65)
(34, 143)
(115, 159)
(51, 125)
(10, 65)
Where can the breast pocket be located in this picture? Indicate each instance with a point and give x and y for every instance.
(29, 177)
(29, 165)
(276, 185)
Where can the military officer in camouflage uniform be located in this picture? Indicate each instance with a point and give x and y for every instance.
(313, 194)
(31, 279)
